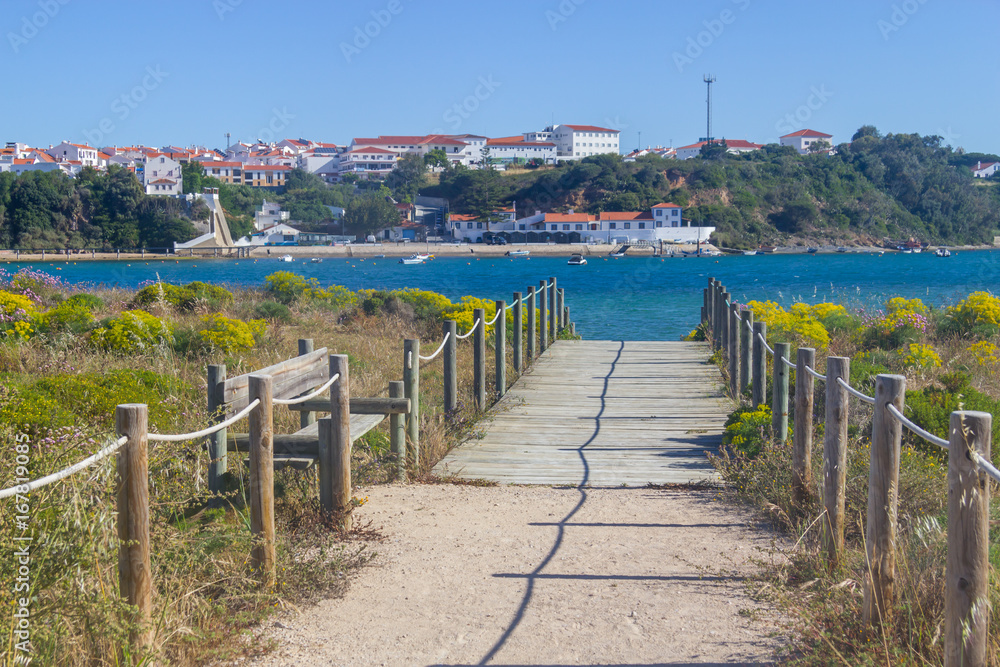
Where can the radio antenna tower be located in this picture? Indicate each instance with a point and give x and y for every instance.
(709, 79)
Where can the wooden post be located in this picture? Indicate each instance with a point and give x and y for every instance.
(734, 351)
(967, 573)
(543, 317)
(500, 350)
(835, 458)
(411, 385)
(217, 454)
(561, 309)
(479, 358)
(306, 418)
(704, 305)
(518, 332)
(532, 334)
(803, 436)
(779, 392)
(135, 578)
(553, 309)
(717, 316)
(397, 431)
(262, 478)
(335, 446)
(759, 375)
(724, 323)
(572, 329)
(710, 308)
(883, 498)
(566, 319)
(746, 349)
(450, 329)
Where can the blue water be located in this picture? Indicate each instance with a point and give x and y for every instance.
(632, 298)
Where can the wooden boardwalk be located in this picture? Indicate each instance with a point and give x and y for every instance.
(603, 413)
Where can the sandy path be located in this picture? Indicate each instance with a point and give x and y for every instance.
(634, 579)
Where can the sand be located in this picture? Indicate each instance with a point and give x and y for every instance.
(542, 576)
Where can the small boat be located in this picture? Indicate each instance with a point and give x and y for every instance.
(749, 253)
(812, 251)
(942, 252)
(906, 251)
(286, 258)
(841, 249)
(767, 248)
(616, 254)
(577, 260)
(423, 256)
(517, 253)
(412, 259)
(315, 260)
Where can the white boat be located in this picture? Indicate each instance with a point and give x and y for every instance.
(286, 258)
(517, 253)
(942, 252)
(412, 259)
(423, 256)
(577, 260)
(616, 254)
(841, 249)
(315, 260)
(749, 253)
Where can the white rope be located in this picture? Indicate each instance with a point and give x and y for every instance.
(766, 347)
(161, 437)
(469, 332)
(303, 399)
(495, 318)
(818, 376)
(62, 474)
(929, 437)
(986, 466)
(788, 363)
(514, 303)
(870, 400)
(409, 358)
(446, 337)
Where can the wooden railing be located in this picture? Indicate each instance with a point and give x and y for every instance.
(743, 343)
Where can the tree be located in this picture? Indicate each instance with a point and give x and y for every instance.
(820, 146)
(370, 213)
(192, 174)
(484, 193)
(406, 179)
(437, 158)
(866, 131)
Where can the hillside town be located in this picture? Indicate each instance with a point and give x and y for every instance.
(267, 165)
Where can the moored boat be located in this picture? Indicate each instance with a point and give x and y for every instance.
(286, 258)
(749, 253)
(517, 253)
(841, 249)
(577, 260)
(412, 259)
(812, 251)
(942, 252)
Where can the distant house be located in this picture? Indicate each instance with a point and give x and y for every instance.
(803, 140)
(734, 146)
(574, 142)
(162, 175)
(515, 150)
(265, 175)
(367, 162)
(69, 152)
(985, 169)
(230, 173)
(269, 215)
(280, 234)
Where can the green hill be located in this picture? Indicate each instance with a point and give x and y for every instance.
(896, 186)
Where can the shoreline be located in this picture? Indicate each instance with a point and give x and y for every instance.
(396, 250)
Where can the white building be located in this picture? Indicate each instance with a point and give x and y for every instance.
(162, 175)
(67, 152)
(985, 169)
(507, 150)
(367, 162)
(279, 234)
(269, 215)
(733, 146)
(803, 139)
(577, 141)
(455, 149)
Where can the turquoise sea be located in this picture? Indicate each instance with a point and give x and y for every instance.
(631, 298)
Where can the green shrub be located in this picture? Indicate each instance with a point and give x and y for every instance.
(426, 305)
(182, 298)
(931, 408)
(697, 334)
(131, 331)
(229, 335)
(272, 310)
(216, 296)
(748, 429)
(286, 287)
(866, 366)
(69, 316)
(89, 301)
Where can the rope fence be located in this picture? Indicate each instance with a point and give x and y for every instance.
(307, 397)
(966, 627)
(64, 473)
(469, 332)
(438, 351)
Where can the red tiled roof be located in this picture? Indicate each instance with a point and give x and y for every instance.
(666, 205)
(268, 167)
(807, 133)
(370, 149)
(409, 140)
(984, 165)
(222, 164)
(162, 181)
(462, 217)
(730, 143)
(626, 215)
(568, 217)
(590, 128)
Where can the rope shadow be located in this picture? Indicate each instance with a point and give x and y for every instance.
(561, 526)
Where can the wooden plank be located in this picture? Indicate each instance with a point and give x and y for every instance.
(359, 406)
(603, 413)
(306, 441)
(289, 377)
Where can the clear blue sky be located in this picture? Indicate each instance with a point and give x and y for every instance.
(188, 71)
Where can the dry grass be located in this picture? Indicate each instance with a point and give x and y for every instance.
(204, 593)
